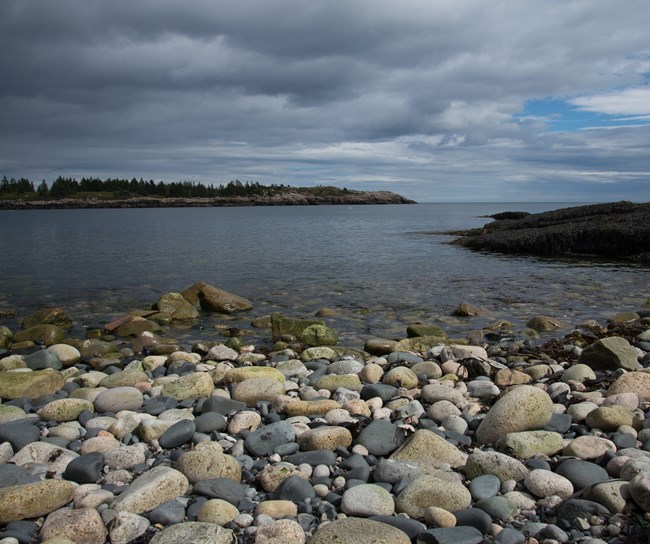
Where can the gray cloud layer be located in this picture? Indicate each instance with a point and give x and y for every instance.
(420, 96)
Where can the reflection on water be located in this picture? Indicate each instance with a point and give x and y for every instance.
(378, 265)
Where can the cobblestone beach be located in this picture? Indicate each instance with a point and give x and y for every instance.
(127, 435)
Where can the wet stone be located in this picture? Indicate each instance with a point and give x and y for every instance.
(484, 486)
(381, 437)
(221, 488)
(582, 473)
(451, 535)
(178, 434)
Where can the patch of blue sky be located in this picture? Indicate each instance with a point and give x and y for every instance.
(561, 115)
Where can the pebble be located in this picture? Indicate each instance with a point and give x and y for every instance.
(323, 445)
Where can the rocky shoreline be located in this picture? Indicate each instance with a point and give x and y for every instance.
(124, 435)
(619, 230)
(288, 198)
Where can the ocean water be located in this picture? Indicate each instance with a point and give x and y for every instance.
(380, 267)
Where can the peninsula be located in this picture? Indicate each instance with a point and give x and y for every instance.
(619, 230)
(67, 193)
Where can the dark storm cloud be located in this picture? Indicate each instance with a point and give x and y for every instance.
(420, 96)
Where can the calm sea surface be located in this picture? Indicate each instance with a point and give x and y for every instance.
(379, 266)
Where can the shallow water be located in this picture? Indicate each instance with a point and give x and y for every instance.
(380, 266)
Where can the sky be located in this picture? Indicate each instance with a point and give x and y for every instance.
(438, 100)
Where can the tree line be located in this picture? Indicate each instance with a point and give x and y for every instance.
(63, 187)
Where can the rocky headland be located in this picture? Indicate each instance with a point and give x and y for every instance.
(619, 230)
(124, 434)
(287, 198)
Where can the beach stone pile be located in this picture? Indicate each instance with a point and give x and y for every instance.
(125, 436)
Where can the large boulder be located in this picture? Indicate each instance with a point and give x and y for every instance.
(610, 354)
(32, 385)
(47, 334)
(48, 316)
(177, 306)
(523, 408)
(213, 299)
(282, 325)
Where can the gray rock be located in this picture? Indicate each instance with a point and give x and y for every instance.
(19, 434)
(153, 488)
(451, 535)
(195, 532)
(221, 488)
(266, 439)
(381, 437)
(582, 473)
(178, 434)
(40, 360)
(117, 399)
(610, 354)
(484, 486)
(392, 471)
(367, 500)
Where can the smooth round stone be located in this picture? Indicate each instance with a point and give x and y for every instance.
(294, 488)
(239, 374)
(85, 469)
(325, 437)
(401, 376)
(209, 422)
(11, 475)
(441, 410)
(438, 489)
(439, 517)
(578, 373)
(14, 385)
(358, 531)
(588, 447)
(169, 513)
(9, 413)
(632, 382)
(582, 473)
(345, 366)
(411, 527)
(371, 373)
(42, 359)
(309, 408)
(64, 409)
(543, 483)
(221, 488)
(118, 399)
(455, 424)
(178, 434)
(151, 489)
(54, 457)
(195, 532)
(313, 458)
(276, 509)
(527, 444)
(190, 386)
(19, 434)
(253, 390)
(84, 525)
(429, 451)
(67, 355)
(430, 369)
(609, 418)
(436, 392)
(264, 441)
(127, 527)
(286, 531)
(125, 457)
(124, 378)
(367, 500)
(452, 535)
(221, 405)
(381, 437)
(332, 382)
(392, 471)
(474, 517)
(482, 389)
(499, 508)
(384, 391)
(510, 536)
(35, 499)
(524, 408)
(501, 465)
(484, 486)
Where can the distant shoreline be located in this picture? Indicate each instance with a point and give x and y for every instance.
(285, 199)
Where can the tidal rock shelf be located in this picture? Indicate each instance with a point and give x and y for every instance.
(619, 230)
(127, 436)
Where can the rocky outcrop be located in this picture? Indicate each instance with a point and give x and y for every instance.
(618, 230)
(288, 198)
